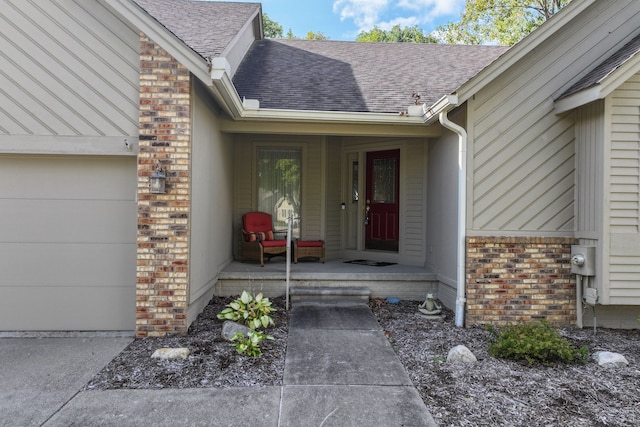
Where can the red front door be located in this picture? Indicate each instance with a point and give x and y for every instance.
(382, 200)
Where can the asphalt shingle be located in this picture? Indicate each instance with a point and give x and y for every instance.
(607, 67)
(322, 75)
(207, 27)
(354, 76)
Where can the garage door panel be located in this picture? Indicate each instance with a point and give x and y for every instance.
(67, 243)
(50, 265)
(68, 178)
(67, 309)
(70, 221)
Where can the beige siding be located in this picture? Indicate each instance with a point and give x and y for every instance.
(589, 164)
(68, 68)
(212, 196)
(313, 191)
(335, 215)
(624, 201)
(413, 203)
(521, 152)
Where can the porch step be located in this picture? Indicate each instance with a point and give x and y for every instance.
(326, 294)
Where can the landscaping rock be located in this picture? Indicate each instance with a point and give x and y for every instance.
(171, 353)
(461, 354)
(230, 328)
(607, 359)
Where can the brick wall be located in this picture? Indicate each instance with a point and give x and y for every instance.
(163, 219)
(512, 279)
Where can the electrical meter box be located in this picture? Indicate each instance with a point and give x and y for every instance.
(583, 260)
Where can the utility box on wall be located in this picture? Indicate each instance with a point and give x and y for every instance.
(583, 260)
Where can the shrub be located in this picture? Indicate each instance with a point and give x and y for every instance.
(535, 342)
(252, 311)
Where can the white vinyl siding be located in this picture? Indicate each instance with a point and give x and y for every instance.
(624, 202)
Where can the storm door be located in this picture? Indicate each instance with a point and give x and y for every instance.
(382, 203)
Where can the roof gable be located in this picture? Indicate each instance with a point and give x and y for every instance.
(354, 76)
(607, 67)
(207, 27)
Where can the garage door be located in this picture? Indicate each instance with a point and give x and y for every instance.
(67, 243)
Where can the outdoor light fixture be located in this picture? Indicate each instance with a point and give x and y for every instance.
(157, 181)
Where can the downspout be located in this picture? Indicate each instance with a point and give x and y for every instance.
(462, 208)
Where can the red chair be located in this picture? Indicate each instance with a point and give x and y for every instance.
(258, 238)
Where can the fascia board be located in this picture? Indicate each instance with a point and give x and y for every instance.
(330, 116)
(195, 63)
(623, 73)
(522, 48)
(444, 104)
(578, 99)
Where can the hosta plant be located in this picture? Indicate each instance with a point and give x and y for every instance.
(249, 344)
(252, 311)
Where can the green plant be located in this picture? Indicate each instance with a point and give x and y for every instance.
(535, 342)
(249, 344)
(252, 311)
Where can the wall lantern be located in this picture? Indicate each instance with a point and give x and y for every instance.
(157, 181)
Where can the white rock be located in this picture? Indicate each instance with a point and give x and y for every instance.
(608, 359)
(461, 354)
(171, 353)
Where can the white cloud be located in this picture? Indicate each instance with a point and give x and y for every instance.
(364, 13)
(387, 13)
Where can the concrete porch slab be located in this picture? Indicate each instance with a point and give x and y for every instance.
(353, 406)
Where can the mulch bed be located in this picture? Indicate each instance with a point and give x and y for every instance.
(490, 392)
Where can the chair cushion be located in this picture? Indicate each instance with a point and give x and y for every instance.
(310, 243)
(274, 243)
(257, 222)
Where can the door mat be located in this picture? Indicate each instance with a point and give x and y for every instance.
(370, 263)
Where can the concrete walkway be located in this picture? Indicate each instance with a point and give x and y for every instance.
(340, 370)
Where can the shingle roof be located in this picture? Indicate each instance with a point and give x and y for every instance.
(207, 27)
(607, 67)
(355, 76)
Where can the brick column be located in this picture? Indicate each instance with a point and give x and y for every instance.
(512, 279)
(163, 219)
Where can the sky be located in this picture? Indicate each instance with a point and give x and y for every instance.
(344, 19)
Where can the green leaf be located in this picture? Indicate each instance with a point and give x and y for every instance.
(245, 297)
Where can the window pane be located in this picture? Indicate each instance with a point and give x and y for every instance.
(279, 186)
(384, 180)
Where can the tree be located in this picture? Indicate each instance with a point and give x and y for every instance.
(316, 36)
(396, 34)
(272, 30)
(503, 22)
